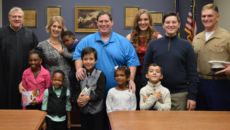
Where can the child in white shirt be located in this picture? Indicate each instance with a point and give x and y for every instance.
(154, 96)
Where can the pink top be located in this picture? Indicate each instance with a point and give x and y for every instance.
(42, 82)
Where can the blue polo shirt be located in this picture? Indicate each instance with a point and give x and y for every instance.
(116, 51)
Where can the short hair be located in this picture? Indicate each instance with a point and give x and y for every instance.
(67, 33)
(170, 14)
(16, 9)
(38, 51)
(59, 71)
(105, 12)
(154, 64)
(89, 50)
(211, 6)
(54, 19)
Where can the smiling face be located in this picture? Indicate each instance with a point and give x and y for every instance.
(56, 29)
(104, 24)
(68, 40)
(34, 61)
(16, 19)
(209, 19)
(171, 26)
(143, 22)
(154, 74)
(121, 78)
(89, 61)
(57, 80)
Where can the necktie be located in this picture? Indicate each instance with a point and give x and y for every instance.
(88, 74)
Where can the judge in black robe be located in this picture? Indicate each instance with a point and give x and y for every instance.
(14, 54)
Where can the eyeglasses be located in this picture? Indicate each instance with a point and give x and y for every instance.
(19, 17)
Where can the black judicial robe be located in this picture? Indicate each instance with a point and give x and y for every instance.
(14, 54)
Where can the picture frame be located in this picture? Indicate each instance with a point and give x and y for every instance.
(157, 17)
(129, 15)
(51, 11)
(86, 17)
(30, 17)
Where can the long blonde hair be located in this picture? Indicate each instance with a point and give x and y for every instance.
(136, 30)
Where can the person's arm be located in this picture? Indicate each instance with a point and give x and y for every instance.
(80, 71)
(98, 93)
(45, 100)
(147, 61)
(148, 103)
(166, 106)
(109, 102)
(68, 118)
(47, 85)
(23, 83)
(133, 105)
(21, 88)
(132, 61)
(192, 78)
(132, 77)
(224, 71)
(128, 37)
(68, 104)
(68, 55)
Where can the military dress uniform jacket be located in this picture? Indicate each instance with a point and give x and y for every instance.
(217, 47)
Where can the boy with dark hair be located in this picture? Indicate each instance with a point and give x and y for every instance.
(154, 96)
(70, 42)
(177, 57)
(56, 103)
(92, 112)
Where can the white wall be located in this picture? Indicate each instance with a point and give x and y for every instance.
(224, 11)
(0, 13)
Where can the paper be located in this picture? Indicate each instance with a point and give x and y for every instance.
(87, 92)
(29, 96)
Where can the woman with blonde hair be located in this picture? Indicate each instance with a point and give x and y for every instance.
(142, 33)
(53, 48)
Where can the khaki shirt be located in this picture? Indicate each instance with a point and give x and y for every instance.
(217, 47)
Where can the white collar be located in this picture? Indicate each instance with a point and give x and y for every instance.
(154, 85)
(14, 30)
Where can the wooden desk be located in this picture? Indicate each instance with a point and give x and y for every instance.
(170, 120)
(21, 119)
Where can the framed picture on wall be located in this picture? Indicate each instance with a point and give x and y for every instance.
(157, 17)
(30, 17)
(129, 15)
(86, 18)
(52, 11)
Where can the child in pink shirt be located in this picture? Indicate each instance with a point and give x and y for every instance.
(36, 77)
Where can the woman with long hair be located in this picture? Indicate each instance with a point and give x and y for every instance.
(142, 33)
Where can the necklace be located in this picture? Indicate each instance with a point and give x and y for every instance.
(53, 42)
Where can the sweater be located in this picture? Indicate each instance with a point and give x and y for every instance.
(177, 58)
(120, 100)
(163, 104)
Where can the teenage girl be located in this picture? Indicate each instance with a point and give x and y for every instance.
(36, 77)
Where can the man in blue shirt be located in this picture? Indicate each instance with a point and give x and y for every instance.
(113, 50)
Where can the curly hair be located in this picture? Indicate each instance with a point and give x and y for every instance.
(122, 68)
(136, 30)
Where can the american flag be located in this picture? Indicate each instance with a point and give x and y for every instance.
(176, 10)
(191, 27)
